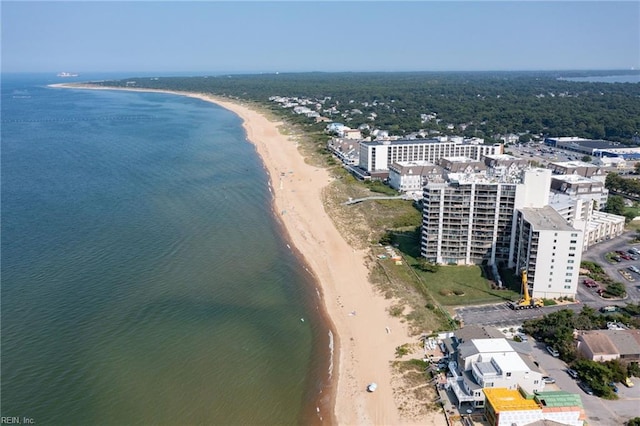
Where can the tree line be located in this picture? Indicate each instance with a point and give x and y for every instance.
(482, 104)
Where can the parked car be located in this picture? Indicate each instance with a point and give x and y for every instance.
(625, 256)
(553, 352)
(609, 309)
(573, 373)
(548, 380)
(617, 258)
(633, 268)
(613, 387)
(628, 383)
(586, 388)
(590, 283)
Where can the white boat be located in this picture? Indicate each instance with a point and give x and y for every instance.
(372, 387)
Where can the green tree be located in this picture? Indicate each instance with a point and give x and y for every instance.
(586, 158)
(634, 421)
(615, 205)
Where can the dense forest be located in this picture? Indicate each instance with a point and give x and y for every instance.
(482, 104)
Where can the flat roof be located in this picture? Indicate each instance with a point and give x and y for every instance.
(575, 179)
(503, 399)
(558, 399)
(545, 218)
(503, 157)
(574, 164)
(492, 345)
(510, 361)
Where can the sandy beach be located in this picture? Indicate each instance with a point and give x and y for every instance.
(367, 335)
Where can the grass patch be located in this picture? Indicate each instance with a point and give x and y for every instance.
(463, 285)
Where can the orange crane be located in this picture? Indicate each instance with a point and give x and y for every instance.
(526, 302)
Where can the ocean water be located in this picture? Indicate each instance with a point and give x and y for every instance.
(629, 78)
(144, 277)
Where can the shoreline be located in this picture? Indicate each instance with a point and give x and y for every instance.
(365, 335)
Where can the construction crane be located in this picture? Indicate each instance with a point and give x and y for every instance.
(526, 302)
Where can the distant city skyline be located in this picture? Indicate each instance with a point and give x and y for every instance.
(294, 36)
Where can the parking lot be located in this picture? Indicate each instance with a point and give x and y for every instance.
(599, 412)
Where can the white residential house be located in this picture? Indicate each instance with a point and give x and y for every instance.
(490, 363)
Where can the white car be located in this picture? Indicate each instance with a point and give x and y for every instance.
(554, 353)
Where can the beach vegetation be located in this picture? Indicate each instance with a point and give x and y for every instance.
(403, 350)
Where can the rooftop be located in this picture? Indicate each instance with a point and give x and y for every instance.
(558, 399)
(576, 179)
(573, 164)
(598, 343)
(509, 362)
(545, 218)
(492, 345)
(502, 399)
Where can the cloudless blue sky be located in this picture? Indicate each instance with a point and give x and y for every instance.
(242, 36)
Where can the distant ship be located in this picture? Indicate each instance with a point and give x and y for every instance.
(67, 74)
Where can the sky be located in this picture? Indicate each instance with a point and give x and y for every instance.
(291, 36)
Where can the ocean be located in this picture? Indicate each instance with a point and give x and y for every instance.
(144, 277)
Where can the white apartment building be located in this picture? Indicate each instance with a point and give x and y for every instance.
(490, 363)
(588, 189)
(379, 155)
(549, 249)
(596, 226)
(468, 218)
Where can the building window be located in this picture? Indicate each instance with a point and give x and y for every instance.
(551, 266)
(569, 268)
(509, 374)
(572, 248)
(572, 255)
(573, 235)
(572, 241)
(567, 281)
(568, 274)
(571, 261)
(567, 286)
